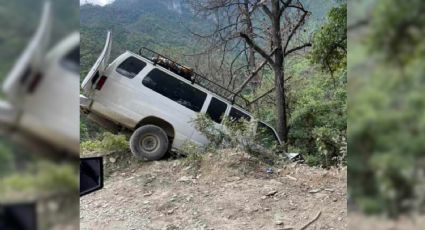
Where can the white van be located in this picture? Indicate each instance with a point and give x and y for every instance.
(136, 93)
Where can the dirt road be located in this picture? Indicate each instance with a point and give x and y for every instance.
(223, 191)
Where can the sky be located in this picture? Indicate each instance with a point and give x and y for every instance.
(96, 2)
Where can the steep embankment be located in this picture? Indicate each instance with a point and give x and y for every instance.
(228, 190)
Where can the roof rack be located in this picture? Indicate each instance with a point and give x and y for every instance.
(234, 98)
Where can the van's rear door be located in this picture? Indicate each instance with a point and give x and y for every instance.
(98, 69)
(28, 69)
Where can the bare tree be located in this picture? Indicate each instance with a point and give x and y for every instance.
(273, 29)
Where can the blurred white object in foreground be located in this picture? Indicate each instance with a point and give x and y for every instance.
(41, 108)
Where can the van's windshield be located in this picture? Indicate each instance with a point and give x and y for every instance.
(266, 136)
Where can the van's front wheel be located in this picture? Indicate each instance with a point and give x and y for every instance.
(149, 142)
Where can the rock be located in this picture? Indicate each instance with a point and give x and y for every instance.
(231, 217)
(335, 199)
(171, 211)
(112, 160)
(314, 190)
(269, 170)
(271, 193)
(291, 177)
(266, 209)
(279, 222)
(184, 179)
(148, 193)
(233, 178)
(263, 197)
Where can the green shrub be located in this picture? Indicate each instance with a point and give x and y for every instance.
(108, 142)
(313, 160)
(233, 134)
(115, 143)
(370, 205)
(236, 135)
(6, 160)
(42, 177)
(331, 146)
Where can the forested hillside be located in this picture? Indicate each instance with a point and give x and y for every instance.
(160, 25)
(149, 23)
(386, 106)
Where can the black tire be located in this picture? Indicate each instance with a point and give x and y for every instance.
(149, 142)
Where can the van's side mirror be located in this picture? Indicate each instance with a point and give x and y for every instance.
(91, 175)
(18, 216)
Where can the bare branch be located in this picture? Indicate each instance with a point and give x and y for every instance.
(267, 11)
(253, 74)
(263, 95)
(297, 26)
(297, 48)
(257, 48)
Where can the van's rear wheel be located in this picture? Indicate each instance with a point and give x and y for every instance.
(149, 142)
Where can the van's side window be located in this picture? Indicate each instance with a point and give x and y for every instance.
(71, 61)
(130, 67)
(175, 89)
(236, 114)
(216, 110)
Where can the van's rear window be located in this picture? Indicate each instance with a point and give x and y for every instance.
(130, 67)
(175, 89)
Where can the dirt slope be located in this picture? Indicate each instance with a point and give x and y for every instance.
(223, 191)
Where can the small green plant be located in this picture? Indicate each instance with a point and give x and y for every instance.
(193, 153)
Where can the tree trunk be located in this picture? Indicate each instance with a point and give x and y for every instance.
(280, 104)
(278, 69)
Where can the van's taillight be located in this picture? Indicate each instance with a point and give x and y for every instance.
(34, 83)
(101, 82)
